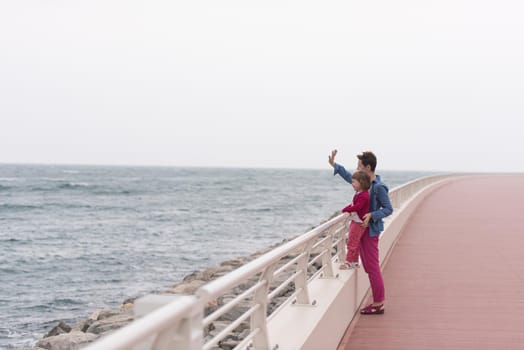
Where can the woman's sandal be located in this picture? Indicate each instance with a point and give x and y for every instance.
(373, 310)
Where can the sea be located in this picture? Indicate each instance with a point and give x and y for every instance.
(76, 239)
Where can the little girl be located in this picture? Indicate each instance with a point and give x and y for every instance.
(357, 209)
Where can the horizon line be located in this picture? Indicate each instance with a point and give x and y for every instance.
(226, 167)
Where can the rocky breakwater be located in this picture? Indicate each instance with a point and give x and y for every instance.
(102, 322)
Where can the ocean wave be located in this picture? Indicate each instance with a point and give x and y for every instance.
(35, 307)
(9, 179)
(18, 207)
(60, 185)
(4, 188)
(41, 189)
(73, 185)
(112, 192)
(65, 301)
(15, 240)
(9, 271)
(257, 210)
(20, 339)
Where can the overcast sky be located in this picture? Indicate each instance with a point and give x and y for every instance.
(426, 85)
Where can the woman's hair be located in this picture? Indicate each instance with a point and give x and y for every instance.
(363, 178)
(368, 158)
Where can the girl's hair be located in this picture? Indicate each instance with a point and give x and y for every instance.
(363, 178)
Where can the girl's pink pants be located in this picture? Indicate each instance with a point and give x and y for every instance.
(355, 235)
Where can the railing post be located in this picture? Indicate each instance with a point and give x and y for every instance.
(396, 199)
(259, 317)
(190, 334)
(327, 262)
(186, 334)
(301, 279)
(341, 236)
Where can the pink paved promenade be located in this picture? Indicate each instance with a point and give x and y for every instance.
(455, 279)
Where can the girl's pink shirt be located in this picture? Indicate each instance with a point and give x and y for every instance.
(360, 204)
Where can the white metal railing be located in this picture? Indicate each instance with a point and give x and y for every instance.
(284, 271)
(314, 247)
(401, 194)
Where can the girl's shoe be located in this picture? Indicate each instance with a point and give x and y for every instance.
(349, 265)
(373, 310)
